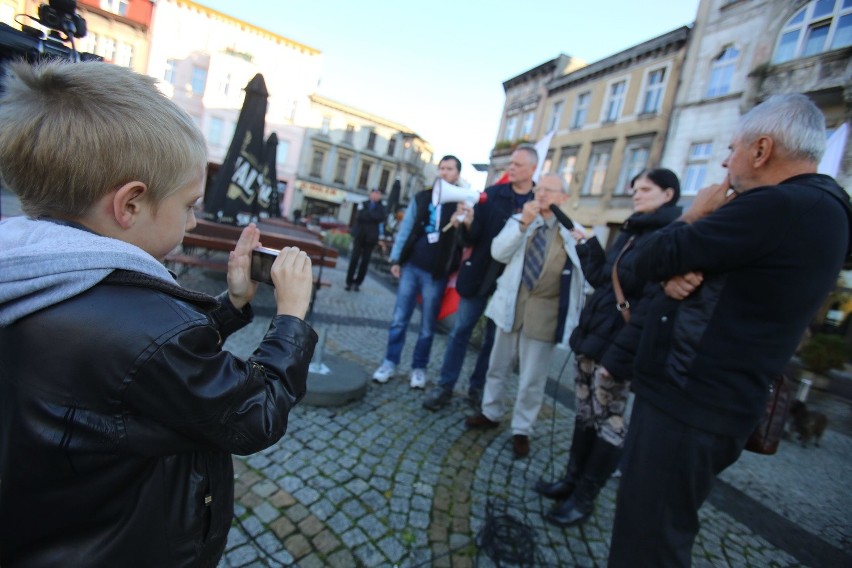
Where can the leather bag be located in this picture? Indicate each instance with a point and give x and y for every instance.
(767, 434)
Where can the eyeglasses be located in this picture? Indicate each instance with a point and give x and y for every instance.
(546, 190)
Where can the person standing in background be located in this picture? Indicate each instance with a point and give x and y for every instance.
(369, 226)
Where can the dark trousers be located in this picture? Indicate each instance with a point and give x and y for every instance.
(359, 261)
(668, 471)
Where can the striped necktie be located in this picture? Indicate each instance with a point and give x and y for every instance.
(534, 258)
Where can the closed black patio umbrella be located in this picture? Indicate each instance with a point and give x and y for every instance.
(236, 186)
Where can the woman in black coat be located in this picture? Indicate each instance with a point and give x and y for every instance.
(601, 399)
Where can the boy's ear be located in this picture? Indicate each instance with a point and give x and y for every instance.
(128, 202)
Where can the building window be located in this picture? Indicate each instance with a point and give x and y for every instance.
(567, 164)
(116, 6)
(722, 72)
(364, 178)
(615, 101)
(316, 163)
(106, 48)
(819, 26)
(214, 131)
(282, 152)
(383, 180)
(349, 134)
(527, 128)
(511, 124)
(635, 160)
(169, 74)
(199, 79)
(326, 125)
(654, 89)
(340, 170)
(596, 172)
(555, 116)
(124, 55)
(696, 167)
(581, 110)
(371, 140)
(391, 146)
(87, 44)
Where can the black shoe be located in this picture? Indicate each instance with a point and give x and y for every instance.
(559, 490)
(356, 288)
(438, 398)
(520, 446)
(348, 287)
(601, 463)
(582, 442)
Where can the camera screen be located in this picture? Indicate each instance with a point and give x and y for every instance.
(261, 264)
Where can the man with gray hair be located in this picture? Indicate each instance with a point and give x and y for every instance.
(542, 274)
(758, 253)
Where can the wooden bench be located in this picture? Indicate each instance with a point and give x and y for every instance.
(204, 251)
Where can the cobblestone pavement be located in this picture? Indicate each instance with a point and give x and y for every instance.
(383, 482)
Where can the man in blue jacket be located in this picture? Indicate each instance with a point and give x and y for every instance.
(769, 242)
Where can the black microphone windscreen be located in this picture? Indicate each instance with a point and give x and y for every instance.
(562, 217)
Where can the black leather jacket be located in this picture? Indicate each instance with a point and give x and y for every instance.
(119, 413)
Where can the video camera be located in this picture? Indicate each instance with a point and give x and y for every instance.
(31, 43)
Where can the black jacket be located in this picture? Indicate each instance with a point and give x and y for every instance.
(769, 259)
(448, 255)
(600, 321)
(367, 221)
(478, 274)
(119, 413)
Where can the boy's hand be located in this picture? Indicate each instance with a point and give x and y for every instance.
(241, 288)
(293, 279)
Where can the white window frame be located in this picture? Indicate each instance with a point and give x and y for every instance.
(555, 116)
(808, 22)
(568, 164)
(527, 126)
(581, 109)
(119, 7)
(593, 182)
(723, 69)
(658, 88)
(196, 87)
(614, 98)
(697, 160)
(629, 167)
(511, 124)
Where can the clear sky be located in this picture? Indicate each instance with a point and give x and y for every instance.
(438, 67)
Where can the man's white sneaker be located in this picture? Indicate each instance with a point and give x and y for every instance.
(418, 379)
(384, 372)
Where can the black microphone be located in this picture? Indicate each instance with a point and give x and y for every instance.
(561, 217)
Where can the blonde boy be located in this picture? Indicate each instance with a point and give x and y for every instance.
(119, 411)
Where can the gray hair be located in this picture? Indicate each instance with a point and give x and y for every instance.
(530, 150)
(793, 122)
(562, 185)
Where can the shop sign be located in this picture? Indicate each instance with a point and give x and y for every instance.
(322, 192)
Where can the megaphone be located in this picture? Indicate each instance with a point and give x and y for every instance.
(445, 192)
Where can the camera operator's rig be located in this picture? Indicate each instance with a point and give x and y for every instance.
(32, 44)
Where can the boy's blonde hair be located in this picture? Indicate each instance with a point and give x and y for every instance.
(72, 132)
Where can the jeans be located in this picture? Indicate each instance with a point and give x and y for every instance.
(414, 281)
(468, 313)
